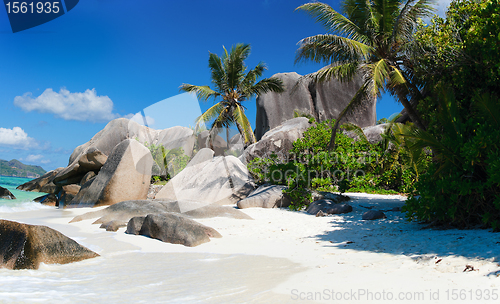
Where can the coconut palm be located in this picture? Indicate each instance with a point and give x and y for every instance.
(233, 84)
(373, 38)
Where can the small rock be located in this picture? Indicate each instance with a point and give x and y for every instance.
(328, 207)
(48, 200)
(6, 194)
(320, 214)
(373, 215)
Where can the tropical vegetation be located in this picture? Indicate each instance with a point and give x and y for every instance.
(386, 167)
(372, 40)
(459, 60)
(233, 83)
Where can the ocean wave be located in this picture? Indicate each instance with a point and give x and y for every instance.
(11, 207)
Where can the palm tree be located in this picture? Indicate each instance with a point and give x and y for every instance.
(234, 85)
(373, 38)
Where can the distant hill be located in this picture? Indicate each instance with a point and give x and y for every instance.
(16, 168)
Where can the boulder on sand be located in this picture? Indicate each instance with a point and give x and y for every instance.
(25, 246)
(221, 180)
(266, 196)
(327, 206)
(172, 228)
(126, 175)
(6, 194)
(48, 200)
(371, 215)
(118, 215)
(278, 140)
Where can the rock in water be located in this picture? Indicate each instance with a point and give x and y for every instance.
(44, 183)
(172, 228)
(278, 140)
(322, 101)
(6, 194)
(221, 180)
(267, 196)
(25, 246)
(125, 176)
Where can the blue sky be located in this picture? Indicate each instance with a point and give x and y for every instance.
(61, 82)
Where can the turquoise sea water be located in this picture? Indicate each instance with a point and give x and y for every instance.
(23, 201)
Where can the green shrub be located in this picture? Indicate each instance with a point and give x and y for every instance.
(353, 166)
(169, 162)
(461, 68)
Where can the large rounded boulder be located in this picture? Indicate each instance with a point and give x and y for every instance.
(278, 140)
(323, 101)
(25, 246)
(209, 180)
(125, 176)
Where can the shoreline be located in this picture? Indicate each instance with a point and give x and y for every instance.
(312, 256)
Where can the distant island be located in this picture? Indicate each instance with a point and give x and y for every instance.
(18, 169)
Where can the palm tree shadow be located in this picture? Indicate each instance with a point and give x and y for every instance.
(396, 236)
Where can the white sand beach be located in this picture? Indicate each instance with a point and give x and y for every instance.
(279, 257)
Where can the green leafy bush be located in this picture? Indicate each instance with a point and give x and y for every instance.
(353, 166)
(462, 66)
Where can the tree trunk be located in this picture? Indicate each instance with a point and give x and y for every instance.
(415, 118)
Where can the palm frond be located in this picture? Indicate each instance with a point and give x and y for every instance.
(202, 92)
(251, 77)
(489, 107)
(386, 12)
(357, 130)
(359, 98)
(272, 84)
(331, 48)
(213, 112)
(344, 73)
(406, 21)
(332, 21)
(242, 120)
(377, 74)
(217, 70)
(396, 77)
(234, 65)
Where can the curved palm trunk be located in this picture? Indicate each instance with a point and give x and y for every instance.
(410, 110)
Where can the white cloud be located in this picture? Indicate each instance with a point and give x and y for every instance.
(36, 159)
(86, 106)
(140, 119)
(17, 138)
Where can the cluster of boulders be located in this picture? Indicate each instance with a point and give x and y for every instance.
(6, 194)
(115, 167)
